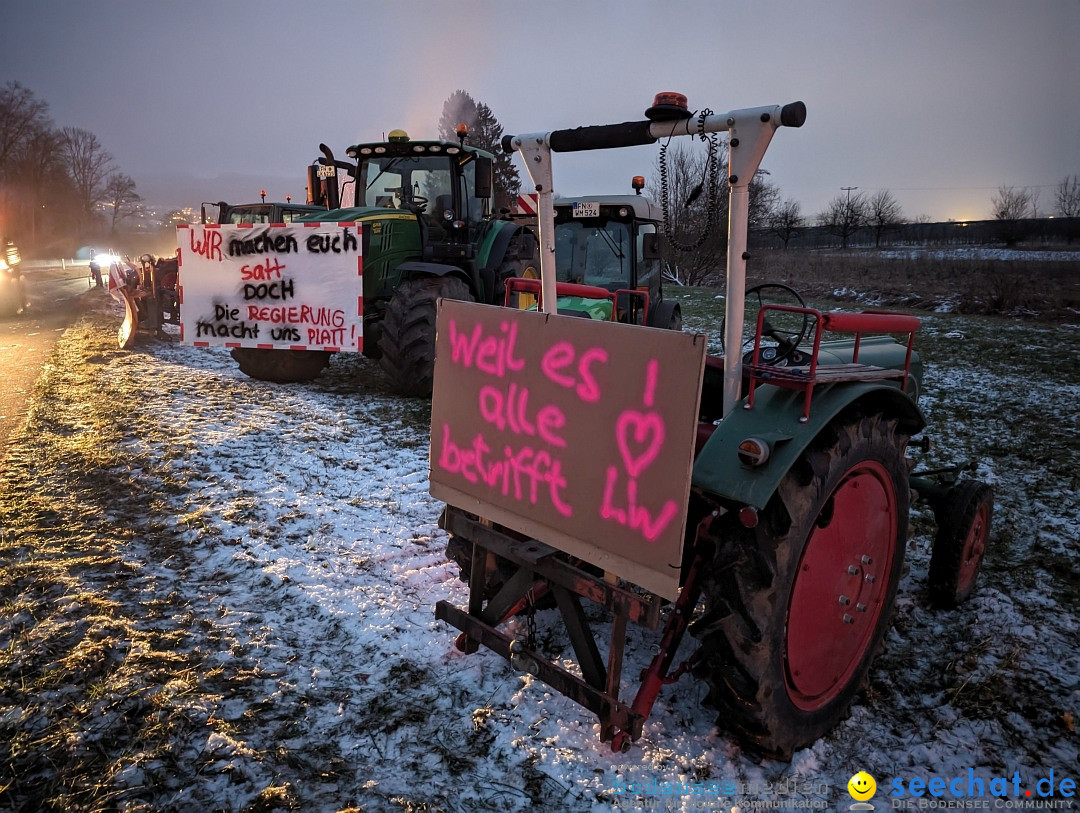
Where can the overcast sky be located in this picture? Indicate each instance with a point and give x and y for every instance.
(940, 102)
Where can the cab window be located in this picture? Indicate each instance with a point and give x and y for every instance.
(593, 253)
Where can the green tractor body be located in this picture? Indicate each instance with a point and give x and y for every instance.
(424, 208)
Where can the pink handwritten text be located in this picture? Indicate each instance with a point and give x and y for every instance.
(522, 474)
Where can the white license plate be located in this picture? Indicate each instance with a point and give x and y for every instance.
(326, 172)
(586, 209)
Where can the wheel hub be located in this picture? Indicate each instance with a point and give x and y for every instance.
(840, 586)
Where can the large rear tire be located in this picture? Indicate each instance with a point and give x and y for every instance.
(281, 366)
(408, 339)
(797, 607)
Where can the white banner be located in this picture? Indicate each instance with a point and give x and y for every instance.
(279, 286)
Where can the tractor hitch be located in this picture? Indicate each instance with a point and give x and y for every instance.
(537, 570)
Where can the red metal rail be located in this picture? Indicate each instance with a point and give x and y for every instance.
(805, 377)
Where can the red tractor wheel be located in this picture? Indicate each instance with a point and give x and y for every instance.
(964, 520)
(797, 607)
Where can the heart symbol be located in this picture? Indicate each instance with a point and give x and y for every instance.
(640, 437)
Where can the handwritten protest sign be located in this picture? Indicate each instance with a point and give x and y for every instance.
(576, 432)
(287, 287)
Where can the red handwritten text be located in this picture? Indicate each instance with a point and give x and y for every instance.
(210, 246)
(271, 269)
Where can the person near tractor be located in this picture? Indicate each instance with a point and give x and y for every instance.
(95, 269)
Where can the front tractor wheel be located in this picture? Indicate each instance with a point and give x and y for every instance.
(408, 338)
(281, 366)
(797, 607)
(964, 520)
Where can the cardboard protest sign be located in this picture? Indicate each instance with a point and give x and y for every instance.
(279, 286)
(576, 432)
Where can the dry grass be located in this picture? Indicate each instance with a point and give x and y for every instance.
(1042, 290)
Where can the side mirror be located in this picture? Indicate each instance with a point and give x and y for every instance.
(652, 245)
(484, 177)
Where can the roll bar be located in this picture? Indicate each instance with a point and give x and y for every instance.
(749, 132)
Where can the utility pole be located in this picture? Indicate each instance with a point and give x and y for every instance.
(849, 190)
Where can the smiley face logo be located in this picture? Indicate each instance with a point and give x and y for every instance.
(861, 786)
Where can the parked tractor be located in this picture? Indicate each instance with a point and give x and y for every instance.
(255, 213)
(608, 258)
(798, 480)
(424, 211)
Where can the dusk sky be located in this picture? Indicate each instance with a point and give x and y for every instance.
(940, 102)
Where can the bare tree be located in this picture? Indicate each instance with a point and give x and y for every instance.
(764, 196)
(695, 216)
(1067, 197)
(1010, 203)
(120, 194)
(22, 118)
(785, 220)
(1009, 206)
(844, 215)
(40, 187)
(883, 214)
(88, 164)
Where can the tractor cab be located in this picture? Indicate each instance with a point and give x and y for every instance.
(235, 214)
(446, 186)
(607, 260)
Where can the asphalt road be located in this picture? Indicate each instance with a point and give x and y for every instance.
(27, 340)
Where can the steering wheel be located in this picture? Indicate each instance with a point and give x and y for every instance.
(416, 203)
(786, 329)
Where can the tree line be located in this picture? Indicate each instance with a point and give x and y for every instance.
(57, 184)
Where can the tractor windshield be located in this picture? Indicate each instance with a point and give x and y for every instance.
(422, 184)
(594, 253)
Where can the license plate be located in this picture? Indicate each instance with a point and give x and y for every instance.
(326, 172)
(586, 209)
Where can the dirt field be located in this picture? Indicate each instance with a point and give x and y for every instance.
(216, 594)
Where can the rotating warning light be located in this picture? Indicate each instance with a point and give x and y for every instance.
(397, 135)
(668, 106)
(638, 183)
(462, 130)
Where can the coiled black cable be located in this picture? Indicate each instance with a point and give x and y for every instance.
(712, 193)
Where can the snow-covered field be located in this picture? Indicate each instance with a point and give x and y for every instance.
(278, 542)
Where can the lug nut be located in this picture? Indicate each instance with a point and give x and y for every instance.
(866, 560)
(860, 608)
(848, 619)
(845, 601)
(852, 570)
(869, 578)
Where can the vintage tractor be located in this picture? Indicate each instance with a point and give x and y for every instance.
(567, 449)
(424, 212)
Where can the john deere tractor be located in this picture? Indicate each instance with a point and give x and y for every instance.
(425, 213)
